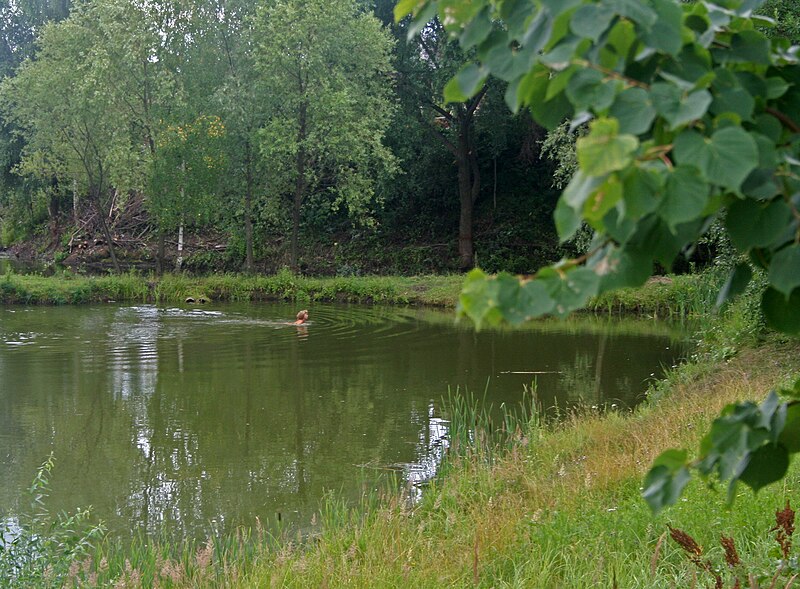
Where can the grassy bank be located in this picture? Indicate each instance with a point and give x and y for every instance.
(661, 297)
(75, 289)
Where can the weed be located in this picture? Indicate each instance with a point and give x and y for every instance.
(39, 549)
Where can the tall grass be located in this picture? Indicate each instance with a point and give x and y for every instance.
(176, 288)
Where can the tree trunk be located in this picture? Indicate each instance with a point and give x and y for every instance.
(160, 252)
(75, 214)
(179, 257)
(248, 211)
(101, 214)
(469, 184)
(300, 184)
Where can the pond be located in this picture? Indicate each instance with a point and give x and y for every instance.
(184, 421)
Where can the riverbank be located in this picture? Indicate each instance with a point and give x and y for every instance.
(175, 288)
(662, 296)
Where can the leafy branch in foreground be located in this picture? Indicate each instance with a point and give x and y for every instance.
(694, 117)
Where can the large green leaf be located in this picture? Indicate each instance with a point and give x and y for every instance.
(534, 301)
(784, 269)
(602, 200)
(634, 110)
(782, 314)
(790, 436)
(767, 464)
(591, 89)
(478, 299)
(619, 268)
(676, 108)
(665, 34)
(604, 150)
(666, 480)
(570, 288)
(592, 20)
(754, 224)
(746, 47)
(725, 158)
(735, 284)
(685, 195)
(642, 191)
(477, 30)
(466, 83)
(532, 90)
(635, 10)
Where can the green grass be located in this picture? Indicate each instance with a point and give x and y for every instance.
(171, 288)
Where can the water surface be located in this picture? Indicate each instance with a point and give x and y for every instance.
(188, 420)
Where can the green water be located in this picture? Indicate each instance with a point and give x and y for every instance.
(185, 421)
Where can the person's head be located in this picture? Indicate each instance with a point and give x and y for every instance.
(302, 315)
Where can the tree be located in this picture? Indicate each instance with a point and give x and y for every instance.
(328, 74)
(238, 96)
(20, 22)
(433, 61)
(74, 129)
(694, 115)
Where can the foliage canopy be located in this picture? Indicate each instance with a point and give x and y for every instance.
(694, 115)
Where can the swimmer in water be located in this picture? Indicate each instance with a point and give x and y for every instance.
(302, 317)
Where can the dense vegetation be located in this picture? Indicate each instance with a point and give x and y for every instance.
(135, 133)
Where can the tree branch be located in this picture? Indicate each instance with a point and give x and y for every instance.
(787, 121)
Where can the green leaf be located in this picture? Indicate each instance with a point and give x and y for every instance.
(735, 284)
(766, 465)
(676, 108)
(784, 269)
(420, 20)
(559, 6)
(635, 10)
(477, 30)
(405, 7)
(570, 289)
(537, 36)
(734, 100)
(604, 150)
(478, 299)
(685, 196)
(726, 158)
(642, 191)
(790, 436)
(634, 110)
(776, 87)
(755, 224)
(665, 34)
(568, 220)
(492, 300)
(532, 90)
(620, 268)
(782, 314)
(592, 20)
(747, 46)
(590, 88)
(534, 300)
(465, 84)
(661, 241)
(602, 200)
(666, 480)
